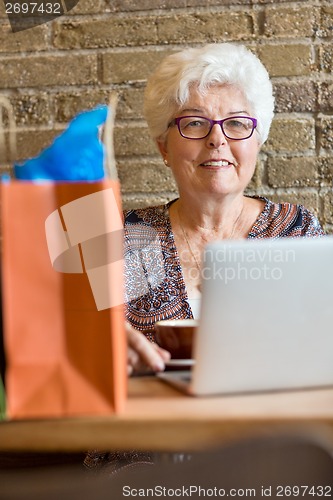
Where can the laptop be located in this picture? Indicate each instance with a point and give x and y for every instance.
(266, 318)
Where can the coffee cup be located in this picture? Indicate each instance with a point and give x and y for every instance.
(176, 336)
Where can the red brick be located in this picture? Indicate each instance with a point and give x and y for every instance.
(204, 28)
(297, 97)
(120, 67)
(31, 144)
(133, 140)
(289, 22)
(111, 32)
(291, 135)
(292, 172)
(145, 176)
(48, 70)
(326, 97)
(23, 41)
(326, 22)
(326, 136)
(287, 59)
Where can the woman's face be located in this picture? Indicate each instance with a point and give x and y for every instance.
(214, 165)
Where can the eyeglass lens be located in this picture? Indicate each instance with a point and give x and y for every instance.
(198, 127)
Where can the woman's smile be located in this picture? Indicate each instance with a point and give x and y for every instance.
(215, 164)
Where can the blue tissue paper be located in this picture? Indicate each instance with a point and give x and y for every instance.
(76, 155)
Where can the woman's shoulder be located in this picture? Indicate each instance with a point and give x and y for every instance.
(154, 215)
(284, 219)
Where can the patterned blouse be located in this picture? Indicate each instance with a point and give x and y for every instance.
(155, 287)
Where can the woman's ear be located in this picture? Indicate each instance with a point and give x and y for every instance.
(163, 150)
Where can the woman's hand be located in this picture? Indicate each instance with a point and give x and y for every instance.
(143, 355)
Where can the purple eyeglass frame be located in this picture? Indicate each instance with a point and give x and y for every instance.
(176, 121)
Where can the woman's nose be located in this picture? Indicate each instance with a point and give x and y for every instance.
(216, 137)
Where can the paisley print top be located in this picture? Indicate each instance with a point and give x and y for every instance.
(155, 287)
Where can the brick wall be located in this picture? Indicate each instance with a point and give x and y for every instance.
(54, 70)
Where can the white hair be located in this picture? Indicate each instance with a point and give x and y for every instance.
(169, 87)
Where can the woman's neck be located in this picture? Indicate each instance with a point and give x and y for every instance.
(220, 219)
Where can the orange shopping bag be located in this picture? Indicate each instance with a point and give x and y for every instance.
(62, 282)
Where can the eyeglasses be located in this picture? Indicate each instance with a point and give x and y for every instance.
(236, 128)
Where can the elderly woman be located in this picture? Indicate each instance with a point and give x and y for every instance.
(209, 111)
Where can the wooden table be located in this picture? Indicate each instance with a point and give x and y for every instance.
(158, 417)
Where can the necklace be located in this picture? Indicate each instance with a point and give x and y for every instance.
(187, 240)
